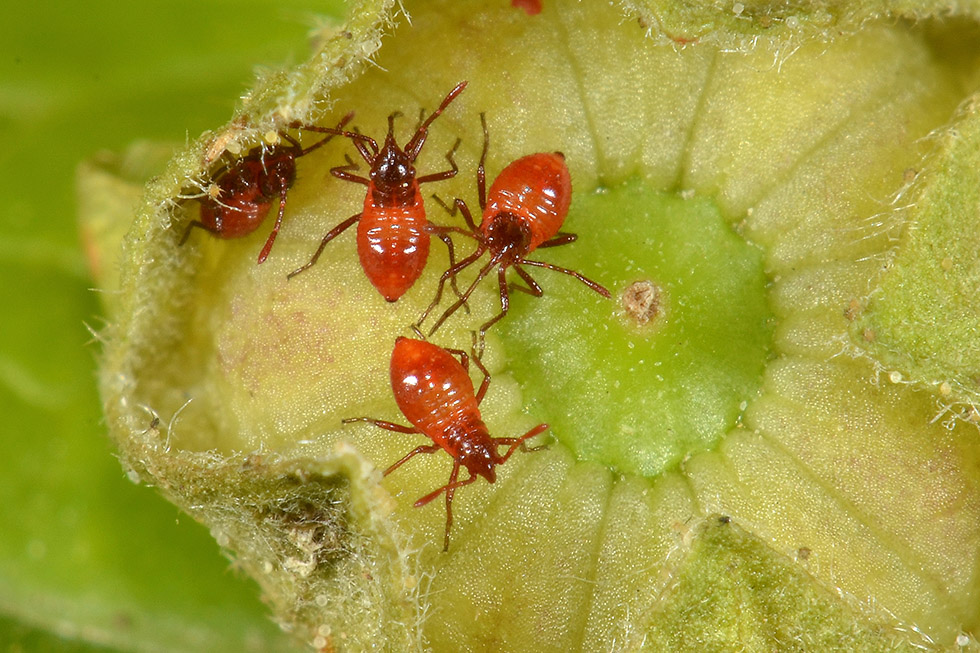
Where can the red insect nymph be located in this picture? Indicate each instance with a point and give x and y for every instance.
(245, 191)
(393, 233)
(524, 210)
(434, 391)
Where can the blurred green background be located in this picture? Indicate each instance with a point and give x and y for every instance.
(89, 561)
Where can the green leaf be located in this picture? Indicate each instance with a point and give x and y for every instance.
(710, 338)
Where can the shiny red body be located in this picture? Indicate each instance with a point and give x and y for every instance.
(392, 242)
(435, 393)
(524, 209)
(247, 190)
(537, 190)
(243, 200)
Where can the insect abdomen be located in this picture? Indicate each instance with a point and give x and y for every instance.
(537, 188)
(240, 206)
(393, 246)
(434, 392)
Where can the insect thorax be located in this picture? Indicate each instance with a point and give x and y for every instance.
(393, 177)
(508, 237)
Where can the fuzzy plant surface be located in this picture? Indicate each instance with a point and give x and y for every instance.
(766, 439)
(88, 560)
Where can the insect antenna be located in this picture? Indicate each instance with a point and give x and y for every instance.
(520, 443)
(414, 145)
(391, 122)
(572, 273)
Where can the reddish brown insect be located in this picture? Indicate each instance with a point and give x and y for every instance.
(435, 393)
(524, 211)
(246, 190)
(393, 233)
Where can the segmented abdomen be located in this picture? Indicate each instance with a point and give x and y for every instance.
(537, 188)
(393, 245)
(240, 207)
(436, 395)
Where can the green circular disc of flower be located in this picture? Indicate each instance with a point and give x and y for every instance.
(683, 342)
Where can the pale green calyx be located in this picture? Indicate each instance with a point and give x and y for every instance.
(734, 472)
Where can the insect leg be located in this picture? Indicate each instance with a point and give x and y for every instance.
(382, 424)
(465, 210)
(443, 234)
(464, 360)
(451, 211)
(326, 239)
(418, 125)
(486, 379)
(340, 125)
(425, 448)
(459, 206)
(344, 172)
(296, 146)
(450, 490)
(561, 238)
(516, 443)
(264, 254)
(360, 141)
(504, 307)
(532, 286)
(451, 273)
(432, 495)
(588, 282)
(466, 294)
(481, 170)
(446, 174)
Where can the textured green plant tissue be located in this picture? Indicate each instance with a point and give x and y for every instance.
(778, 452)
